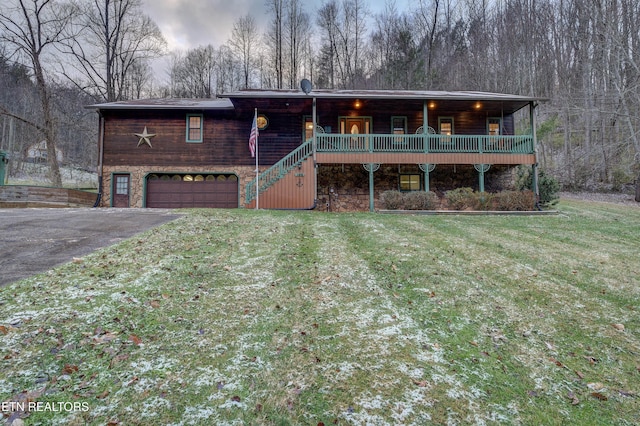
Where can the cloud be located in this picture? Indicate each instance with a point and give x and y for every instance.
(190, 23)
(187, 24)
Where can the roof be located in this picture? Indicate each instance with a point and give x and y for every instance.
(166, 103)
(510, 102)
(384, 94)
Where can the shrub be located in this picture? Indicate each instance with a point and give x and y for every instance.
(392, 200)
(461, 198)
(547, 185)
(514, 201)
(482, 201)
(420, 200)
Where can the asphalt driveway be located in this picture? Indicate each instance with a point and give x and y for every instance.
(34, 240)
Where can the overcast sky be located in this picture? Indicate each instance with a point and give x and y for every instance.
(191, 23)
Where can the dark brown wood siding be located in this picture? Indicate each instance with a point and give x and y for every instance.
(225, 139)
(226, 132)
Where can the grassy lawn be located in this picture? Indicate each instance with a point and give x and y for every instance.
(244, 317)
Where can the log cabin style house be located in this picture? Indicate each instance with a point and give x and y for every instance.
(332, 150)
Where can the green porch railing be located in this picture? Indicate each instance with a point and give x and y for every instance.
(378, 143)
(428, 143)
(279, 170)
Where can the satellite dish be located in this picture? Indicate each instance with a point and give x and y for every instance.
(306, 86)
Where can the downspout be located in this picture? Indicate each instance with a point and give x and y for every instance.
(100, 154)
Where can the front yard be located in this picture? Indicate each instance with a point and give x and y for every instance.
(244, 317)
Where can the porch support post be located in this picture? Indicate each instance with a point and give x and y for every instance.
(532, 115)
(425, 126)
(314, 144)
(427, 168)
(371, 168)
(481, 169)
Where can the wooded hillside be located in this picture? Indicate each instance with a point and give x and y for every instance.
(584, 55)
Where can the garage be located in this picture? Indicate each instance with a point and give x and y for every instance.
(174, 191)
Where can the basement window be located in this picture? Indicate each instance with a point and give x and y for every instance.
(409, 182)
(194, 128)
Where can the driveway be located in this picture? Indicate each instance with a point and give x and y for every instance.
(34, 240)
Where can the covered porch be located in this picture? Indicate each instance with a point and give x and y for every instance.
(378, 128)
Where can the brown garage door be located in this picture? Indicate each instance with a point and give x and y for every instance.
(172, 191)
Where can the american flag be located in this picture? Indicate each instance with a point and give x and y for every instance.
(253, 138)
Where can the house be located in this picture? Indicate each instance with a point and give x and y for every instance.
(37, 153)
(326, 149)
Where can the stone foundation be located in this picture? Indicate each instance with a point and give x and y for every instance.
(344, 188)
(341, 188)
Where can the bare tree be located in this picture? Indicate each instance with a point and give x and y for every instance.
(32, 28)
(275, 39)
(115, 37)
(345, 25)
(297, 25)
(192, 74)
(244, 40)
(328, 22)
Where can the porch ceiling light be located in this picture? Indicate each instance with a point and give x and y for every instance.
(357, 104)
(477, 105)
(432, 105)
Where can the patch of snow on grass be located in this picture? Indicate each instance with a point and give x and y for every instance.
(198, 415)
(152, 405)
(159, 363)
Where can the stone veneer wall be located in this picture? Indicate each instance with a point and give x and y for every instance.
(341, 188)
(346, 187)
(138, 174)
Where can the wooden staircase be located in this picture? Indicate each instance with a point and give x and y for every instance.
(288, 184)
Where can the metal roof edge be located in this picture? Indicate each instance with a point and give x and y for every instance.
(384, 94)
(166, 104)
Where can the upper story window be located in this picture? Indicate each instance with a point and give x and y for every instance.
(399, 125)
(194, 127)
(445, 125)
(494, 126)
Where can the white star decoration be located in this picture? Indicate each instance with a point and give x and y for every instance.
(145, 137)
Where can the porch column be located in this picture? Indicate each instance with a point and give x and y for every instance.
(532, 115)
(481, 169)
(427, 168)
(371, 168)
(425, 127)
(314, 119)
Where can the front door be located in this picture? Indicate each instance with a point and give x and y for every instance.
(356, 126)
(121, 190)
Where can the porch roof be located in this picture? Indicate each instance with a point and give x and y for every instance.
(507, 102)
(379, 94)
(504, 101)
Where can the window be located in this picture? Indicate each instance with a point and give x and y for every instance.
(445, 125)
(398, 125)
(494, 126)
(122, 185)
(409, 182)
(308, 128)
(194, 128)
